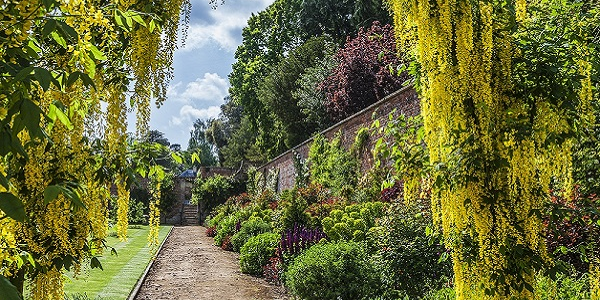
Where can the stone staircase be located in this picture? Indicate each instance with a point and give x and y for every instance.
(190, 215)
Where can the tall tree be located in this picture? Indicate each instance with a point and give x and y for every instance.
(199, 143)
(277, 91)
(311, 97)
(155, 136)
(270, 36)
(366, 73)
(267, 37)
(340, 19)
(219, 130)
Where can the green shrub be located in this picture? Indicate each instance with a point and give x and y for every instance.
(213, 191)
(408, 248)
(339, 270)
(255, 253)
(293, 207)
(441, 294)
(332, 166)
(249, 228)
(565, 287)
(214, 219)
(227, 227)
(353, 222)
(137, 213)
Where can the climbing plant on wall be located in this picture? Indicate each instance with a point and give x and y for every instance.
(59, 60)
(504, 86)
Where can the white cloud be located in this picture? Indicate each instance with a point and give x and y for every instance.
(224, 26)
(188, 113)
(212, 87)
(199, 99)
(172, 90)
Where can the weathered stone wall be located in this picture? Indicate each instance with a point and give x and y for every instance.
(209, 171)
(404, 101)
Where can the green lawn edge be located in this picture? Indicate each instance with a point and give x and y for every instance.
(121, 272)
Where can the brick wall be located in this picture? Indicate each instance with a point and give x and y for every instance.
(403, 101)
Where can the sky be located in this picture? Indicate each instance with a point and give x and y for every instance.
(201, 67)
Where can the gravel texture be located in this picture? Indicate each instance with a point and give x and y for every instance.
(189, 266)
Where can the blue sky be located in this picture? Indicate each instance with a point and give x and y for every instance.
(202, 66)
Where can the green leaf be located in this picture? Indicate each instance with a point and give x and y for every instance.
(4, 181)
(30, 115)
(195, 158)
(51, 192)
(138, 19)
(12, 206)
(87, 80)
(121, 20)
(72, 78)
(563, 249)
(69, 32)
(26, 256)
(151, 25)
(97, 54)
(72, 195)
(44, 77)
(59, 39)
(33, 46)
(95, 263)
(48, 27)
(23, 74)
(177, 157)
(90, 66)
(57, 113)
(7, 290)
(128, 19)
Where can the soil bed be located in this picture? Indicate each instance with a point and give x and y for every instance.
(189, 266)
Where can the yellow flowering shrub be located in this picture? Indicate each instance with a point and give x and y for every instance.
(498, 130)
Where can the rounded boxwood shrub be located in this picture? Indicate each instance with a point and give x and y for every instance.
(226, 228)
(256, 252)
(338, 270)
(251, 227)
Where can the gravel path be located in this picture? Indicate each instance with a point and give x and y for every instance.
(189, 266)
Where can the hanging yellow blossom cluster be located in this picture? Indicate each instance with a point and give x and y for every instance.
(154, 219)
(58, 228)
(495, 152)
(116, 142)
(81, 53)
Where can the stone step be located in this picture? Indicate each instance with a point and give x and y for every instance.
(190, 215)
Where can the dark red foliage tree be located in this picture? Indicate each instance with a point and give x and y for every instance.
(366, 73)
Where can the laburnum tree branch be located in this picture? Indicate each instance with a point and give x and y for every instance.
(58, 61)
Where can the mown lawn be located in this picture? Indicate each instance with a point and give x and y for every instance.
(121, 272)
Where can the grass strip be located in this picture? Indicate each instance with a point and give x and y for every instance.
(120, 272)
